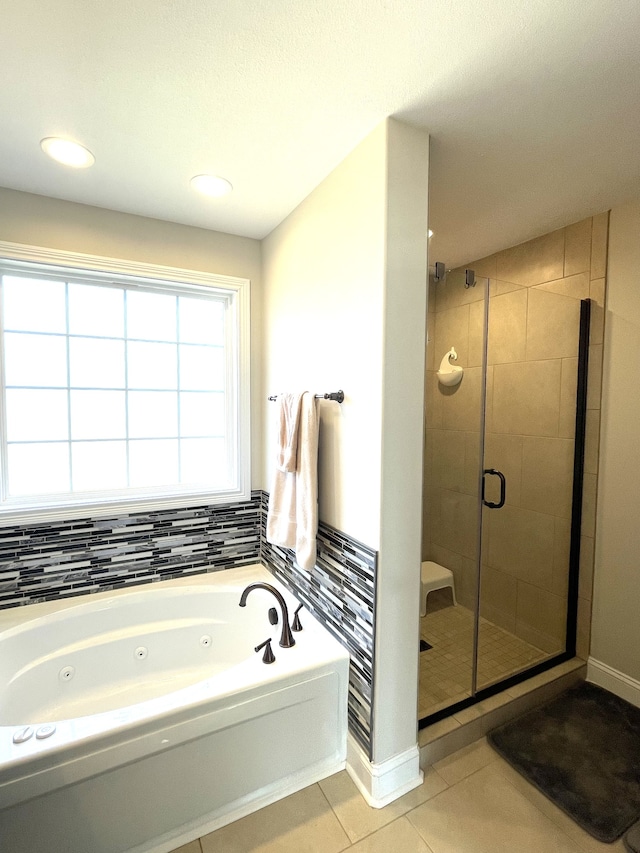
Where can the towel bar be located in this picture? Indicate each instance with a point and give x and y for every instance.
(336, 396)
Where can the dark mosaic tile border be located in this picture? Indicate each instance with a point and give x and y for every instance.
(340, 591)
(42, 562)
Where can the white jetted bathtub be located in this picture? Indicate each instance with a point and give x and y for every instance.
(141, 719)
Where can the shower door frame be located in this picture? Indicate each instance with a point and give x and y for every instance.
(477, 695)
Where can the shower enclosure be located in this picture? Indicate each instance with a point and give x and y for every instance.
(502, 482)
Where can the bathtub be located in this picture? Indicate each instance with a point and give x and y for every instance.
(145, 718)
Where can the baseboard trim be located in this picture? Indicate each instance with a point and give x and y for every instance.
(613, 680)
(381, 784)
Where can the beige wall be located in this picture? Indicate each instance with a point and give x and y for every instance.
(54, 224)
(344, 279)
(616, 589)
(534, 296)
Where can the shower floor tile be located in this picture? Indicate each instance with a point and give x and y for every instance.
(445, 669)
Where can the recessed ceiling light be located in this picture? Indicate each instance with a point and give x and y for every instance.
(211, 185)
(68, 153)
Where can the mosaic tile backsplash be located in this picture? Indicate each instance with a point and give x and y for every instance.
(66, 558)
(42, 562)
(340, 591)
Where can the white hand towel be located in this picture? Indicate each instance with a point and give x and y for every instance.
(292, 519)
(288, 417)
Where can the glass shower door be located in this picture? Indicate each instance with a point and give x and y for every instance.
(527, 480)
(452, 507)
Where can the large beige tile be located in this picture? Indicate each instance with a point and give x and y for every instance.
(461, 403)
(465, 761)
(526, 398)
(504, 452)
(486, 267)
(553, 325)
(575, 286)
(541, 617)
(583, 628)
(302, 822)
(561, 554)
(597, 295)
(192, 847)
(585, 583)
(587, 843)
(577, 247)
(594, 377)
(471, 462)
(452, 293)
(534, 262)
(589, 495)
(507, 327)
(599, 238)
(448, 459)
(433, 401)
(484, 813)
(547, 475)
(452, 330)
(475, 353)
(458, 523)
(397, 837)
(358, 819)
(498, 598)
(568, 398)
(521, 543)
(592, 441)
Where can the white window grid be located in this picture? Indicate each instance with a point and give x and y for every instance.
(233, 295)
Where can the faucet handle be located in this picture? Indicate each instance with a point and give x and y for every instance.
(268, 656)
(297, 624)
(273, 616)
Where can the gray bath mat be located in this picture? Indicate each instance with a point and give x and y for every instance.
(582, 750)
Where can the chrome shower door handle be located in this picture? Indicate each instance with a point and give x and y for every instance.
(503, 488)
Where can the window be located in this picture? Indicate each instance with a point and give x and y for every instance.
(119, 388)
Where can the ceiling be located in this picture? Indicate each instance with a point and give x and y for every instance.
(533, 107)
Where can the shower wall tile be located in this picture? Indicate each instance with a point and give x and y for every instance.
(433, 402)
(507, 327)
(592, 441)
(533, 262)
(340, 592)
(561, 550)
(452, 330)
(586, 567)
(499, 598)
(575, 286)
(448, 459)
(547, 475)
(461, 403)
(541, 617)
(525, 398)
(476, 335)
(458, 523)
(594, 378)
(521, 544)
(41, 562)
(577, 248)
(599, 243)
(597, 296)
(504, 452)
(568, 385)
(553, 325)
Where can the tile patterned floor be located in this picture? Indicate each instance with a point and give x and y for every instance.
(445, 670)
(470, 802)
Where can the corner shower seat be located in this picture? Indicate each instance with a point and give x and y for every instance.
(434, 576)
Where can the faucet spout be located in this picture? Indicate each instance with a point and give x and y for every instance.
(286, 637)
